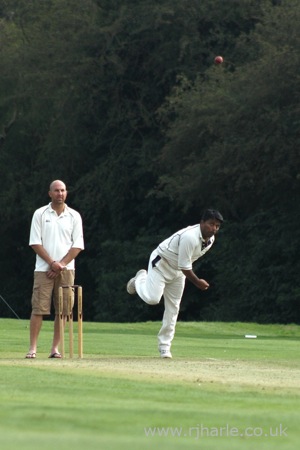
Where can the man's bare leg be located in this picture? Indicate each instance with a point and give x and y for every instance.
(35, 328)
(56, 336)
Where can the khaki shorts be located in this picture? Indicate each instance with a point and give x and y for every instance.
(44, 288)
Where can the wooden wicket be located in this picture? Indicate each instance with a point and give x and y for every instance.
(77, 290)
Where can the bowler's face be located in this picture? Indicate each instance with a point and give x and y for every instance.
(209, 227)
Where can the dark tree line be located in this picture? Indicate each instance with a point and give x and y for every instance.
(123, 101)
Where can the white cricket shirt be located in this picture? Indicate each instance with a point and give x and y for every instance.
(184, 247)
(57, 234)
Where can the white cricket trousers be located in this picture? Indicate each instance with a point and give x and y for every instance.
(162, 280)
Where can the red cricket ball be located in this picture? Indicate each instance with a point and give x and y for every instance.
(219, 59)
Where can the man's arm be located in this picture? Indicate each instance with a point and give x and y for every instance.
(198, 282)
(72, 253)
(57, 266)
(39, 250)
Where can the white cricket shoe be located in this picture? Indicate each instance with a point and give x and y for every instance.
(131, 283)
(165, 354)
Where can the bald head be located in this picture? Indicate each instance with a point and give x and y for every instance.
(57, 184)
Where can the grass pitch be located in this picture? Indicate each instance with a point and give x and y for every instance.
(220, 390)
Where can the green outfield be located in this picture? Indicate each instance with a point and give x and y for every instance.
(220, 390)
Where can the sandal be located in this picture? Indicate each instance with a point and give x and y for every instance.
(55, 355)
(30, 355)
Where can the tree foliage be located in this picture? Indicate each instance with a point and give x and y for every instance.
(236, 133)
(122, 101)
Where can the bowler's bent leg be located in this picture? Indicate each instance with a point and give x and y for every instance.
(150, 286)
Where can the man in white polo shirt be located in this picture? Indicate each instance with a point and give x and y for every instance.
(169, 265)
(56, 236)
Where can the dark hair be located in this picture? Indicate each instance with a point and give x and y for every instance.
(211, 214)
